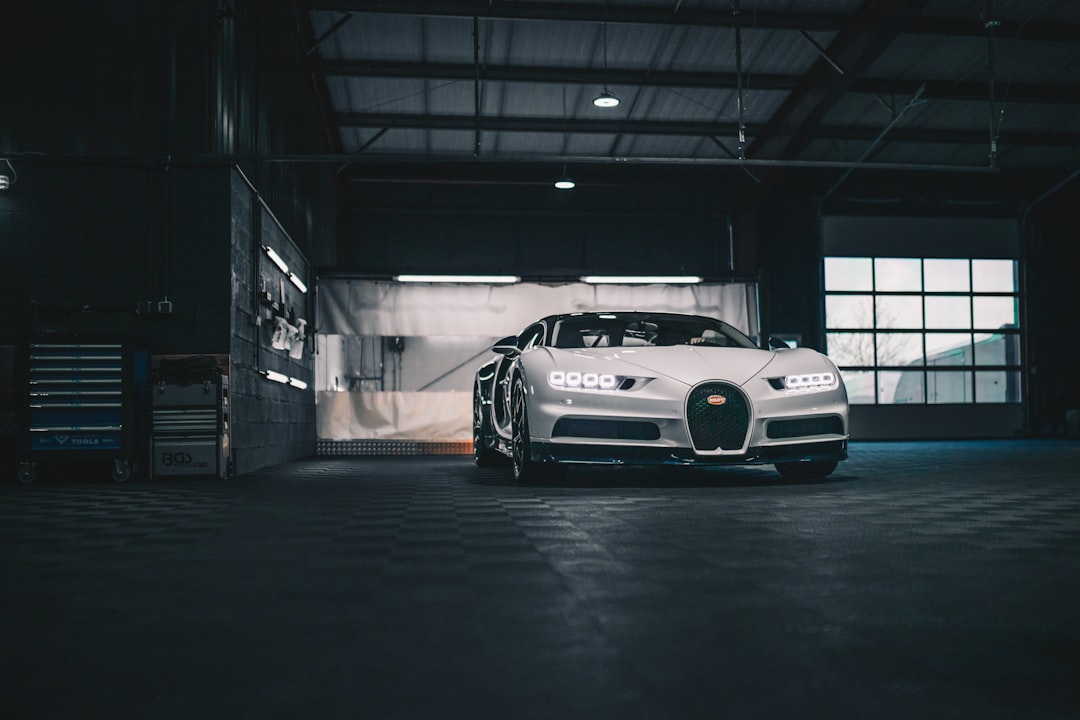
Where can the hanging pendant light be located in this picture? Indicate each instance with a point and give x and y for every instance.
(565, 182)
(606, 99)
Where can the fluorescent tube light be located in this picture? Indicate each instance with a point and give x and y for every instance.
(298, 282)
(276, 259)
(489, 279)
(284, 379)
(6, 180)
(276, 376)
(641, 279)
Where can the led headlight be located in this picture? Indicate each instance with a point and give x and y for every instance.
(583, 381)
(811, 382)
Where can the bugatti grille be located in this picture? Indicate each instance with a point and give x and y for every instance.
(718, 417)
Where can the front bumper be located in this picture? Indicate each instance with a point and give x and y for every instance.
(593, 454)
(650, 426)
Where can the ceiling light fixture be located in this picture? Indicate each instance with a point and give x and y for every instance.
(565, 182)
(489, 279)
(605, 99)
(641, 279)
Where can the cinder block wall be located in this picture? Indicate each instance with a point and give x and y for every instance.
(272, 422)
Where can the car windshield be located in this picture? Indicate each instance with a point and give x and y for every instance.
(599, 330)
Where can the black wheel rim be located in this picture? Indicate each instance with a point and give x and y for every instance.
(518, 431)
(477, 438)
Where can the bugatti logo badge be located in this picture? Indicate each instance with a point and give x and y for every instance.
(716, 400)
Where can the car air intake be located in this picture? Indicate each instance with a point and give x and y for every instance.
(803, 427)
(606, 429)
(718, 417)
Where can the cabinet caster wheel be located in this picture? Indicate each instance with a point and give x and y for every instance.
(27, 472)
(121, 470)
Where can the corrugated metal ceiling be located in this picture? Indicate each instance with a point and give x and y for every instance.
(820, 80)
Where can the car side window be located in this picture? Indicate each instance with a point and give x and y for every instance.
(531, 338)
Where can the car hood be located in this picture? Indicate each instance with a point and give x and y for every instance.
(685, 363)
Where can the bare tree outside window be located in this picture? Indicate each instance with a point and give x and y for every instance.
(889, 321)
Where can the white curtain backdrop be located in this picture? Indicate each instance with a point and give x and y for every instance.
(425, 389)
(366, 307)
(431, 416)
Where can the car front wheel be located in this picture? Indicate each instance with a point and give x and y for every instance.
(526, 470)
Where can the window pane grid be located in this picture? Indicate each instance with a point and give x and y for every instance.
(924, 331)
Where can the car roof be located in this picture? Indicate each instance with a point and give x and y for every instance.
(622, 314)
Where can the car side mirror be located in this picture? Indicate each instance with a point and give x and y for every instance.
(776, 343)
(507, 346)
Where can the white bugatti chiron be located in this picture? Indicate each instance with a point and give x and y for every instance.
(638, 388)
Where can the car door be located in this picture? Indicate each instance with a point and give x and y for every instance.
(532, 337)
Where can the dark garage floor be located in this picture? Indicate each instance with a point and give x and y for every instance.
(922, 580)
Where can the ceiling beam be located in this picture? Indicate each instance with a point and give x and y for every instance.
(418, 121)
(1042, 93)
(553, 74)
(973, 26)
(935, 89)
(313, 65)
(582, 12)
(855, 48)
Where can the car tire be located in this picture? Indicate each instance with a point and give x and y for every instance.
(483, 455)
(815, 469)
(526, 470)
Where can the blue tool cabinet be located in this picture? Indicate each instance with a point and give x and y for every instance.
(79, 405)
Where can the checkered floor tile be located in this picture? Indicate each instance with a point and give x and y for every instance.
(928, 580)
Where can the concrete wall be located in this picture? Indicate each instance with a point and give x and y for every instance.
(123, 121)
(272, 422)
(91, 252)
